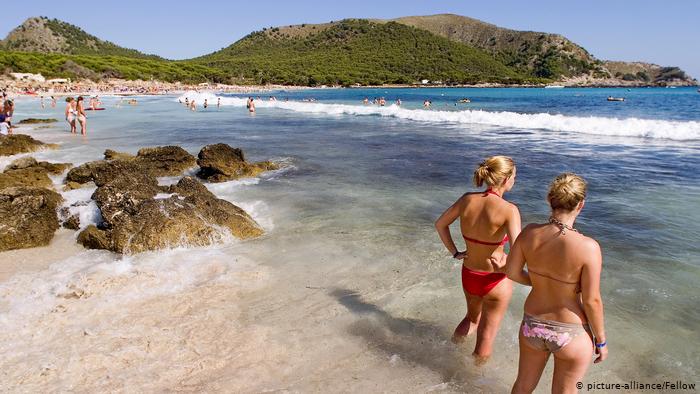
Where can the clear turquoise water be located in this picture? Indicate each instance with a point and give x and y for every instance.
(354, 212)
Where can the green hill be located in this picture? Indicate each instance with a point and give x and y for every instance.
(40, 34)
(445, 48)
(96, 67)
(355, 51)
(539, 54)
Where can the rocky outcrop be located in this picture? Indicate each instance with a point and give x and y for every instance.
(221, 162)
(136, 221)
(114, 155)
(30, 162)
(21, 143)
(164, 160)
(26, 171)
(37, 121)
(93, 238)
(155, 162)
(27, 217)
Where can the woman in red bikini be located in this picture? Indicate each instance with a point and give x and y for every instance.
(564, 311)
(487, 222)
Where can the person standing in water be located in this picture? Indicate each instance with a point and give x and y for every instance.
(205, 104)
(250, 105)
(70, 113)
(53, 102)
(218, 102)
(487, 222)
(193, 105)
(81, 116)
(564, 311)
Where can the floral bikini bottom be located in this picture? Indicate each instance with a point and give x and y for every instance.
(549, 335)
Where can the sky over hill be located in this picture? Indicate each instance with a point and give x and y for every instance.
(663, 33)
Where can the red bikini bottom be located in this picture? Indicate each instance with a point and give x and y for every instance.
(479, 283)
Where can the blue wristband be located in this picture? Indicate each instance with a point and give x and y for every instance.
(601, 345)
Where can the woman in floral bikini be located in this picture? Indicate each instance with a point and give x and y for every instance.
(564, 310)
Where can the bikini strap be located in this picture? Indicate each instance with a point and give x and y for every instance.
(549, 277)
(490, 191)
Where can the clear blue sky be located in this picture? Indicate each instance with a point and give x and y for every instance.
(662, 32)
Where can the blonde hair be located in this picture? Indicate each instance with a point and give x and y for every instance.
(494, 171)
(566, 191)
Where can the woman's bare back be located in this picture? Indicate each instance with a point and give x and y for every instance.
(555, 261)
(484, 217)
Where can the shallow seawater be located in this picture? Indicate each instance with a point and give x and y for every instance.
(350, 289)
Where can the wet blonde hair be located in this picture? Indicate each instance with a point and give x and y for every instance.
(566, 191)
(494, 171)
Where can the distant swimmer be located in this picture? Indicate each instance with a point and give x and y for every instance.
(365, 101)
(42, 102)
(465, 100)
(53, 102)
(132, 102)
(398, 102)
(218, 102)
(382, 102)
(426, 104)
(205, 104)
(250, 105)
(193, 105)
(187, 102)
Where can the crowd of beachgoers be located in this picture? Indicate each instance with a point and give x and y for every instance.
(119, 87)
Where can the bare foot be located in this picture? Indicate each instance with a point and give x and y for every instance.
(480, 360)
(460, 336)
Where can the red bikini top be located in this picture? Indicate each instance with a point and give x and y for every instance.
(476, 241)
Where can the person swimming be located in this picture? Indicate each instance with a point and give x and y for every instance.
(484, 216)
(563, 314)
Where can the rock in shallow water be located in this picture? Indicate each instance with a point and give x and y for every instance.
(37, 120)
(156, 162)
(21, 143)
(135, 221)
(26, 171)
(28, 217)
(221, 162)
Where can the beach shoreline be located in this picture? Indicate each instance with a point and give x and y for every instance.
(119, 87)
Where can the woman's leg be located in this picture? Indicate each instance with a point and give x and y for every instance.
(571, 363)
(495, 304)
(83, 125)
(530, 367)
(470, 322)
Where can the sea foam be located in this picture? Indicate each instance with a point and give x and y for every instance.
(595, 125)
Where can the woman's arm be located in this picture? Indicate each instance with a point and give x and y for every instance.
(590, 296)
(442, 225)
(515, 265)
(514, 225)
